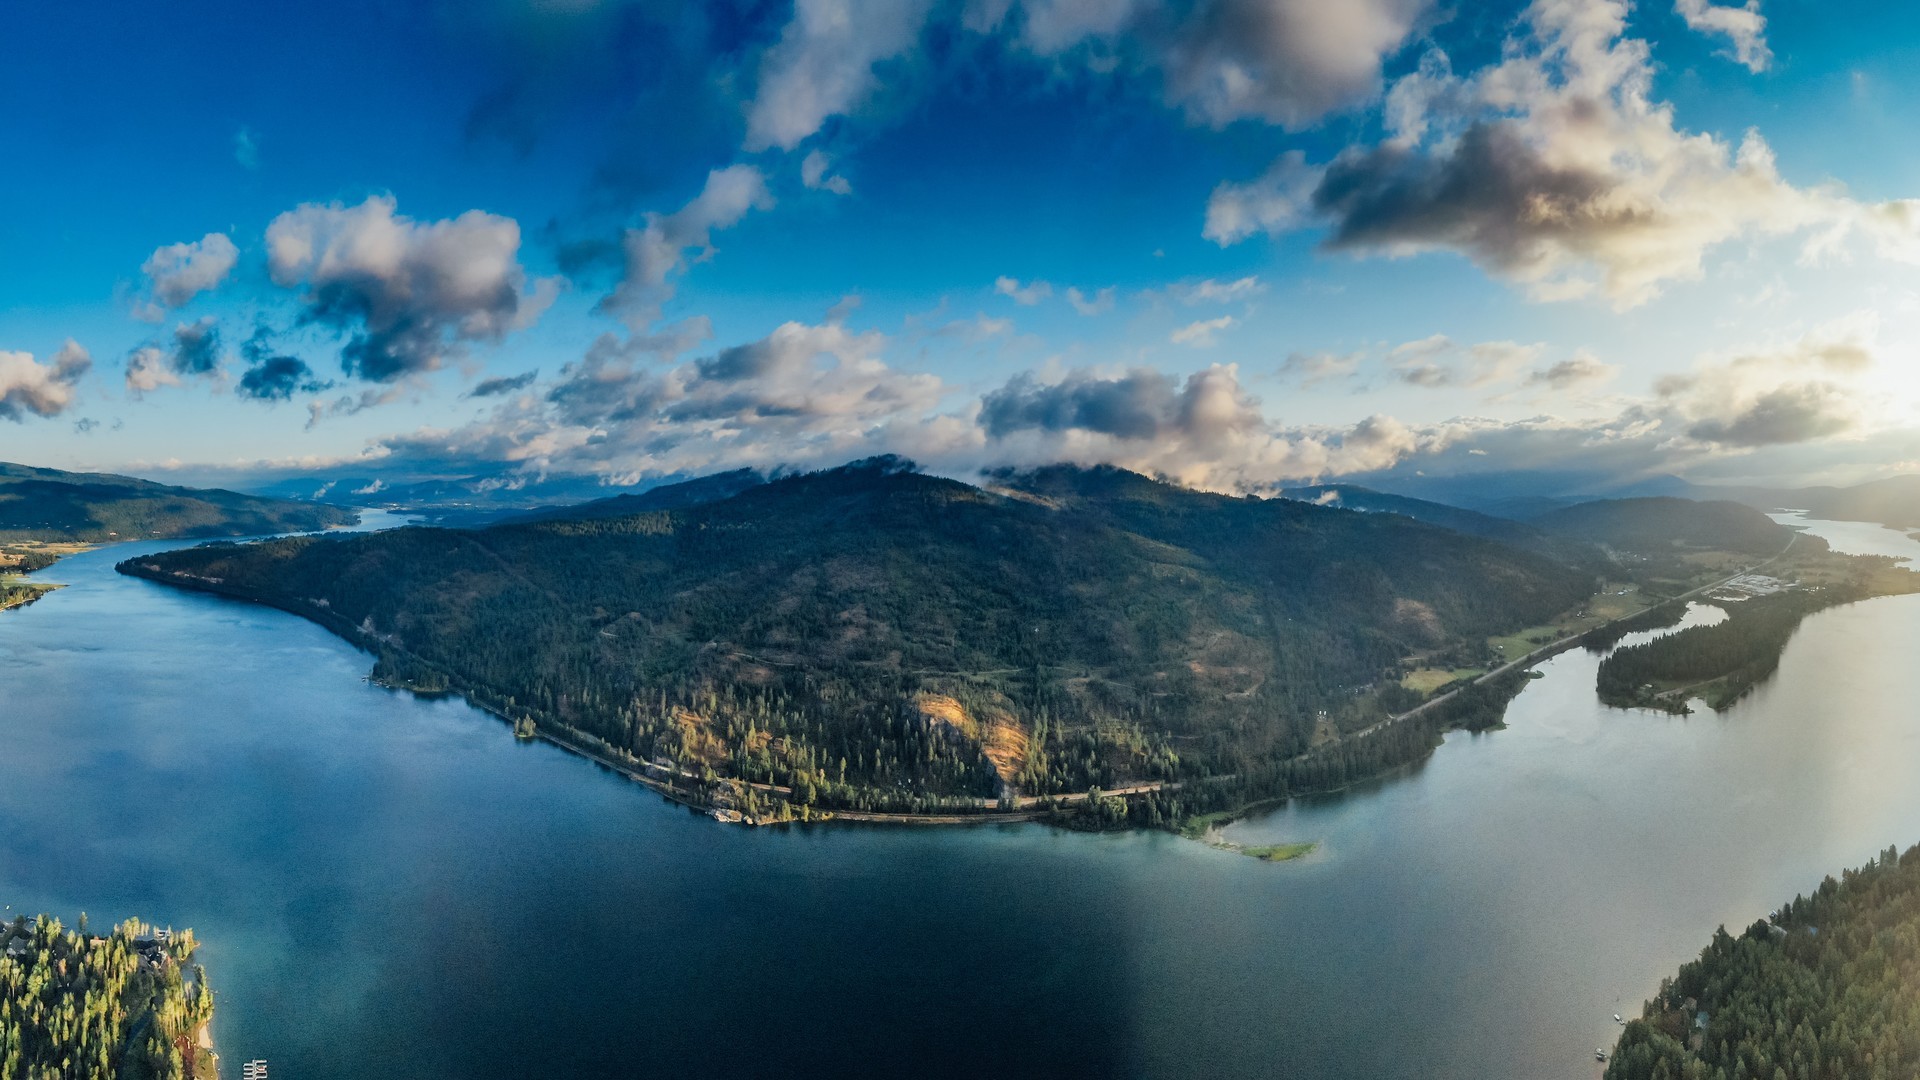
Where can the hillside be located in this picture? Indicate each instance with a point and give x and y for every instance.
(1894, 502)
(1665, 525)
(47, 505)
(873, 637)
(1471, 522)
(704, 489)
(1823, 988)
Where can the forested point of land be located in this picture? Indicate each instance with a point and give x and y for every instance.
(872, 638)
(1827, 989)
(96, 508)
(1722, 662)
(120, 1007)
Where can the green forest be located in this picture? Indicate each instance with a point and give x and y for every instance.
(1826, 989)
(75, 1006)
(1722, 662)
(94, 508)
(872, 638)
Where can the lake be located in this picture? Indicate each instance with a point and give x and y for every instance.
(386, 884)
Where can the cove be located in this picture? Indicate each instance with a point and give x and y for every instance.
(386, 883)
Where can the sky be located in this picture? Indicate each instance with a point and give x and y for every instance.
(1236, 243)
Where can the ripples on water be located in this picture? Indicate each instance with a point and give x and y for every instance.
(387, 883)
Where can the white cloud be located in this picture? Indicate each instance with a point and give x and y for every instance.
(1098, 303)
(1279, 200)
(1024, 295)
(1286, 62)
(815, 175)
(1200, 335)
(1582, 369)
(656, 253)
(822, 66)
(1437, 362)
(27, 386)
(1555, 168)
(177, 273)
(406, 293)
(148, 370)
(1211, 291)
(1743, 27)
(1313, 369)
(1810, 387)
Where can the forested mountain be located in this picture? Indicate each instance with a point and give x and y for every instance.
(870, 636)
(703, 489)
(1665, 524)
(1826, 988)
(1505, 530)
(50, 505)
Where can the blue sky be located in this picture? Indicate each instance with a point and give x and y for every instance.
(1236, 242)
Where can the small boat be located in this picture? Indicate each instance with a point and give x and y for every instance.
(1617, 1020)
(1599, 1055)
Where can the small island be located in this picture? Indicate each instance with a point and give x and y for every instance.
(127, 1004)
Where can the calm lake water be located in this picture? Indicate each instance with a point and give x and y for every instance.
(386, 884)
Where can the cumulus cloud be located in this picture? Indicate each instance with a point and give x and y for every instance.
(1097, 303)
(1025, 295)
(1286, 62)
(28, 386)
(405, 294)
(816, 175)
(278, 378)
(656, 253)
(1744, 28)
(823, 64)
(1200, 335)
(1206, 430)
(193, 351)
(1554, 168)
(147, 370)
(177, 273)
(1796, 391)
(272, 375)
(1580, 370)
(503, 384)
(805, 394)
(1278, 201)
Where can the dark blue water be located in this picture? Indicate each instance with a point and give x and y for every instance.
(386, 884)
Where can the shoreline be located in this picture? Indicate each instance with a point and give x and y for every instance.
(1030, 808)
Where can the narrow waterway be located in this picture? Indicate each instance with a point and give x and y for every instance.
(390, 884)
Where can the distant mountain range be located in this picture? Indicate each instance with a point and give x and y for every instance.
(50, 505)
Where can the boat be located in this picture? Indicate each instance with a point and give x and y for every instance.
(1599, 1055)
(1617, 1020)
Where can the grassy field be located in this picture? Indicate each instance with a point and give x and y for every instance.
(1615, 600)
(1427, 680)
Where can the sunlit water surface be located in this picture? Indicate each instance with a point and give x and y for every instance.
(390, 885)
